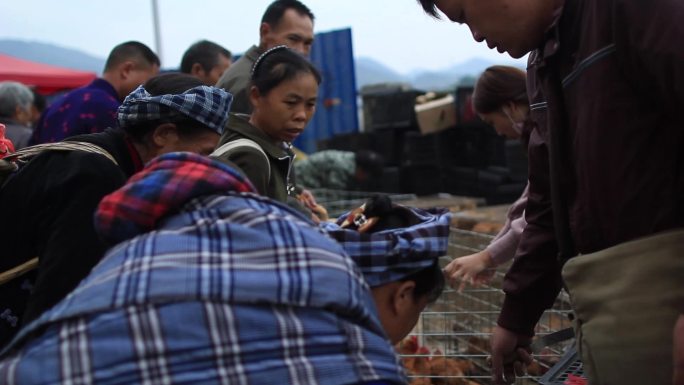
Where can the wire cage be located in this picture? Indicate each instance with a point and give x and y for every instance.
(450, 343)
(337, 202)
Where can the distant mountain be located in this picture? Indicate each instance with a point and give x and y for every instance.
(371, 71)
(52, 54)
(368, 71)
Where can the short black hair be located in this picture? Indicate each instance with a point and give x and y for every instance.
(39, 100)
(274, 13)
(204, 52)
(280, 64)
(168, 83)
(429, 8)
(430, 282)
(370, 162)
(131, 50)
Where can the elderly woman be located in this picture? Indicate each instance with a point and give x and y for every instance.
(16, 101)
(211, 283)
(52, 198)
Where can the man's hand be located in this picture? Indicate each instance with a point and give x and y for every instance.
(510, 355)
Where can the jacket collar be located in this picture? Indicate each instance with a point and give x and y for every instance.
(551, 42)
(240, 123)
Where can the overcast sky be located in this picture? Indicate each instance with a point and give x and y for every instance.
(395, 32)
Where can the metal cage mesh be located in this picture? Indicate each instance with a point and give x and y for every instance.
(454, 331)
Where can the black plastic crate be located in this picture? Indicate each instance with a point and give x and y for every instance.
(570, 365)
(350, 142)
(516, 159)
(389, 109)
(390, 182)
(420, 149)
(421, 179)
(389, 144)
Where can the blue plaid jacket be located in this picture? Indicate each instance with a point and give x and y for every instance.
(231, 289)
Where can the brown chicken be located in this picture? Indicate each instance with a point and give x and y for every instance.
(415, 359)
(450, 370)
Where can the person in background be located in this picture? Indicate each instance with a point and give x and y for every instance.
(210, 283)
(52, 198)
(92, 108)
(285, 22)
(16, 101)
(500, 99)
(206, 61)
(604, 213)
(283, 91)
(37, 108)
(339, 170)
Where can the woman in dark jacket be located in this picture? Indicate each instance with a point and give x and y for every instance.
(283, 93)
(52, 198)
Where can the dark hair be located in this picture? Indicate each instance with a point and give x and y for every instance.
(39, 100)
(497, 86)
(274, 13)
(429, 8)
(370, 161)
(277, 65)
(429, 282)
(131, 50)
(371, 164)
(165, 84)
(204, 52)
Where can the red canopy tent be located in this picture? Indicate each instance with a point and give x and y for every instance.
(45, 78)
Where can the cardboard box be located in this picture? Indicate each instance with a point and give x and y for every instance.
(436, 115)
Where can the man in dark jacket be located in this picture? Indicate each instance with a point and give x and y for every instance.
(52, 198)
(605, 82)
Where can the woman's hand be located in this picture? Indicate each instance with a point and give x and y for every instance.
(473, 269)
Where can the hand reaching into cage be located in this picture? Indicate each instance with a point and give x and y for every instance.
(510, 355)
(474, 269)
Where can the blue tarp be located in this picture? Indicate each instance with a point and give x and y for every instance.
(336, 111)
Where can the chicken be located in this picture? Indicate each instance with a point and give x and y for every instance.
(421, 364)
(420, 381)
(450, 370)
(407, 346)
(415, 359)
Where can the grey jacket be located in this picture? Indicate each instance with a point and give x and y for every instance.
(236, 80)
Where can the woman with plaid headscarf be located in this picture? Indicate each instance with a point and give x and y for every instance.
(52, 198)
(211, 283)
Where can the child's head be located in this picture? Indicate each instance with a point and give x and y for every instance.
(284, 89)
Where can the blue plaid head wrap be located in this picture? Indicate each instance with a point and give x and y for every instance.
(207, 105)
(393, 254)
